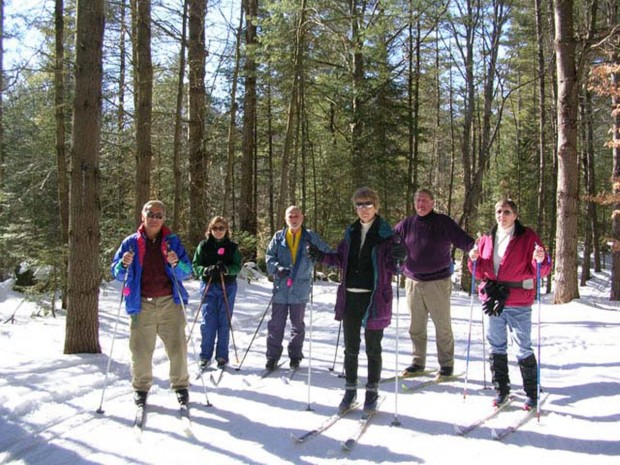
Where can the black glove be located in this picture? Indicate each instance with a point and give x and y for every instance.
(221, 268)
(283, 272)
(314, 252)
(212, 271)
(493, 307)
(496, 298)
(399, 252)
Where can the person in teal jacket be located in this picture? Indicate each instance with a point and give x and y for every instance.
(153, 263)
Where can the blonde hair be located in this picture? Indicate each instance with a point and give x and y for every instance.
(215, 220)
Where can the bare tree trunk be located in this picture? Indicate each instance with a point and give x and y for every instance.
(566, 288)
(59, 113)
(542, 119)
(61, 153)
(586, 158)
(198, 160)
(178, 127)
(144, 103)
(292, 115)
(247, 200)
(82, 326)
(2, 267)
(229, 203)
(1, 105)
(270, 135)
(551, 200)
(412, 107)
(356, 126)
(121, 114)
(612, 18)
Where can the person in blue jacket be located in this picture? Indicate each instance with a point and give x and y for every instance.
(288, 263)
(153, 263)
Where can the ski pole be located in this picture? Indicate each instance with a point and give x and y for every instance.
(539, 343)
(396, 421)
(337, 344)
(230, 328)
(471, 312)
(203, 298)
(484, 354)
(308, 407)
(255, 332)
(191, 339)
(118, 316)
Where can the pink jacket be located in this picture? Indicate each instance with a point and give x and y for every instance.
(516, 265)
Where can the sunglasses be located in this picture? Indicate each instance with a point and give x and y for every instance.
(503, 212)
(155, 216)
(359, 205)
(218, 228)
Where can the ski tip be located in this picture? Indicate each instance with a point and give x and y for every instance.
(458, 430)
(494, 434)
(347, 445)
(296, 438)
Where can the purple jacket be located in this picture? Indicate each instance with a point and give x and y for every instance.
(379, 312)
(429, 240)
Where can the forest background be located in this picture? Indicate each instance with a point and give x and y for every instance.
(242, 108)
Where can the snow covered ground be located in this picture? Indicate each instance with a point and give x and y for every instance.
(48, 400)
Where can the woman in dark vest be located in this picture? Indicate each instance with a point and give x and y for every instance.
(217, 262)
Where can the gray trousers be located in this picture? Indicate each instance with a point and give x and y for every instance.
(430, 298)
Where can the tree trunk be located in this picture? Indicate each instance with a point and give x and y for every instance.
(412, 107)
(542, 119)
(292, 114)
(122, 204)
(82, 326)
(1, 109)
(61, 153)
(59, 113)
(178, 128)
(586, 159)
(358, 151)
(198, 159)
(229, 197)
(247, 200)
(566, 288)
(615, 144)
(143, 69)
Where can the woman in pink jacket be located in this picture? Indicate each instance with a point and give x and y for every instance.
(506, 263)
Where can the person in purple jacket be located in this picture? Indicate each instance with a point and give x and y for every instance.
(366, 256)
(428, 237)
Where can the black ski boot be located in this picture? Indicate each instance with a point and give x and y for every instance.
(370, 402)
(139, 397)
(350, 396)
(182, 396)
(529, 372)
(500, 378)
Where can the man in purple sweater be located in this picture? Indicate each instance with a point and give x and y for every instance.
(428, 237)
